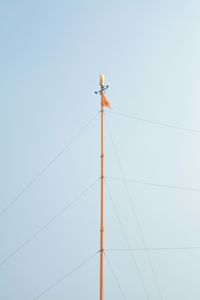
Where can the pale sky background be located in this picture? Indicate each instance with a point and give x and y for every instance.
(51, 53)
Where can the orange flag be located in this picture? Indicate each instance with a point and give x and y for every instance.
(105, 102)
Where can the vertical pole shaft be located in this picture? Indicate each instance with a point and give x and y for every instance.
(102, 205)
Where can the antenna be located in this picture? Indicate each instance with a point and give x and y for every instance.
(102, 80)
(102, 84)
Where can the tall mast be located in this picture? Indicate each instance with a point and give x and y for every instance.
(104, 103)
(102, 193)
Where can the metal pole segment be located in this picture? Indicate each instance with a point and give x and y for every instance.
(102, 204)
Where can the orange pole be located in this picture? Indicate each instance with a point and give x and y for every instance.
(102, 204)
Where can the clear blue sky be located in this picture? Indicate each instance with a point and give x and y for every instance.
(51, 54)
